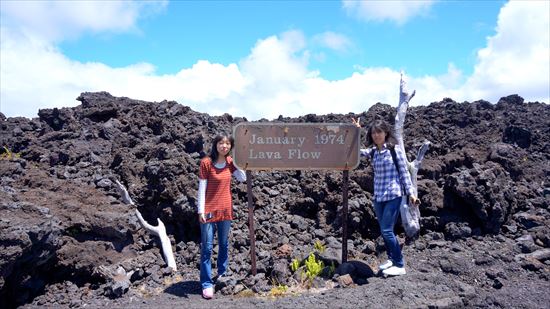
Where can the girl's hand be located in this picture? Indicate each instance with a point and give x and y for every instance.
(413, 200)
(356, 122)
(202, 218)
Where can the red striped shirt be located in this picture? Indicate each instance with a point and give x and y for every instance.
(218, 189)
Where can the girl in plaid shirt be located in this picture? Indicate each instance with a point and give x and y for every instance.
(389, 186)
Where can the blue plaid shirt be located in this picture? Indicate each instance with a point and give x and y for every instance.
(387, 184)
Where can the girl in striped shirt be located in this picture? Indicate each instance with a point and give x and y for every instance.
(215, 208)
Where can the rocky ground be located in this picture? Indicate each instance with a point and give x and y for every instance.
(67, 240)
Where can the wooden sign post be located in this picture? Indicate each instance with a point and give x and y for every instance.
(296, 146)
(251, 221)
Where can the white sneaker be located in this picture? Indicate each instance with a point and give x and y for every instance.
(387, 264)
(394, 271)
(208, 293)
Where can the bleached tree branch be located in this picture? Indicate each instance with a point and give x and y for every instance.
(159, 230)
(118, 280)
(411, 218)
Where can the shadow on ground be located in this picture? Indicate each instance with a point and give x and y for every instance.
(184, 288)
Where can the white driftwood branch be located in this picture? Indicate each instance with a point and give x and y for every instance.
(159, 230)
(415, 166)
(118, 281)
(124, 194)
(404, 99)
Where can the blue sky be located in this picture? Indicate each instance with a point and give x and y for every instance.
(224, 31)
(268, 58)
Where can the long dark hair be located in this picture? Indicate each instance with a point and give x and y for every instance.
(214, 150)
(381, 126)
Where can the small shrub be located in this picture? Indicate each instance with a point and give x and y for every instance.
(294, 265)
(313, 267)
(318, 245)
(331, 269)
(278, 290)
(8, 155)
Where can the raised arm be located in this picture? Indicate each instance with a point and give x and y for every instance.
(366, 152)
(363, 152)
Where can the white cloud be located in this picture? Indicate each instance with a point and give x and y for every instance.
(59, 20)
(333, 40)
(277, 82)
(397, 11)
(516, 59)
(36, 75)
(275, 72)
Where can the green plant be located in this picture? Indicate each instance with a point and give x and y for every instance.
(278, 290)
(331, 269)
(313, 266)
(8, 155)
(318, 245)
(294, 265)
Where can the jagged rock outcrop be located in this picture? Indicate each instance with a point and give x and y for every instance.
(61, 216)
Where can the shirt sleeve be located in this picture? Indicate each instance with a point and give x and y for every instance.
(404, 171)
(366, 152)
(240, 175)
(203, 176)
(201, 195)
(204, 169)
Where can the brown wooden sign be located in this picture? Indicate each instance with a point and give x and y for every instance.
(296, 146)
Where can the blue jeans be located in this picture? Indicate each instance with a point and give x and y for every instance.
(386, 213)
(207, 239)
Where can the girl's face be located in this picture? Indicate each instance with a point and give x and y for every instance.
(378, 137)
(223, 147)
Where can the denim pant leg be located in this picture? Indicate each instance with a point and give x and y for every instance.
(386, 213)
(207, 238)
(223, 242)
